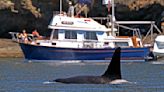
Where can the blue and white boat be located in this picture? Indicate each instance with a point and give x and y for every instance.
(81, 39)
(84, 39)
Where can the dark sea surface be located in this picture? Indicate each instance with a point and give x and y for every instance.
(18, 76)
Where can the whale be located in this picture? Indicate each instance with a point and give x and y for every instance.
(111, 75)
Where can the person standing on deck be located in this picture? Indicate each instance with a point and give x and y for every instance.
(82, 7)
(36, 34)
(70, 9)
(24, 36)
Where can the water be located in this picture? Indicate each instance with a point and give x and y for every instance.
(17, 76)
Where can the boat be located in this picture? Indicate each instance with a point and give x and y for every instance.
(83, 39)
(74, 38)
(158, 48)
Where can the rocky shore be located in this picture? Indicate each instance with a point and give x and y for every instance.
(9, 49)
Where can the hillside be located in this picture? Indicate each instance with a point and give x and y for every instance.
(16, 15)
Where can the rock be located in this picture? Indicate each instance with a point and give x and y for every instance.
(9, 49)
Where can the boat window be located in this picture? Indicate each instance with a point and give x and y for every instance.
(160, 45)
(55, 34)
(121, 44)
(70, 34)
(90, 35)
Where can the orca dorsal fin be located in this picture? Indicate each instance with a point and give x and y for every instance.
(114, 69)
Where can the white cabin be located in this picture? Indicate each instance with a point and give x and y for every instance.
(75, 32)
(72, 32)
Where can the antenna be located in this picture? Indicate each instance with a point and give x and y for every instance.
(60, 6)
(113, 16)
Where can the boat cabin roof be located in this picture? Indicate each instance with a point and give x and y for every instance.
(76, 23)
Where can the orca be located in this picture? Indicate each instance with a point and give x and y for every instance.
(112, 73)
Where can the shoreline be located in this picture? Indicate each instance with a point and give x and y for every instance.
(10, 49)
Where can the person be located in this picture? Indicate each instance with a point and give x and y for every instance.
(82, 8)
(36, 34)
(24, 36)
(77, 9)
(20, 37)
(70, 9)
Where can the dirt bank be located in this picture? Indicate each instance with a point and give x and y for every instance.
(9, 49)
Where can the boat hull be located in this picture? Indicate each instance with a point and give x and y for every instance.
(45, 53)
(159, 53)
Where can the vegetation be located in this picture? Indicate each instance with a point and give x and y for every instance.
(16, 15)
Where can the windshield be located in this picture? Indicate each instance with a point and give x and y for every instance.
(121, 44)
(160, 45)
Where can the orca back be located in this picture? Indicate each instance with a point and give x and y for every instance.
(114, 69)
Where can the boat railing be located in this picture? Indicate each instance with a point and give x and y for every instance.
(90, 44)
(136, 31)
(83, 44)
(59, 13)
(123, 23)
(15, 36)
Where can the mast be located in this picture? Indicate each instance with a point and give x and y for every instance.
(111, 2)
(113, 17)
(60, 6)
